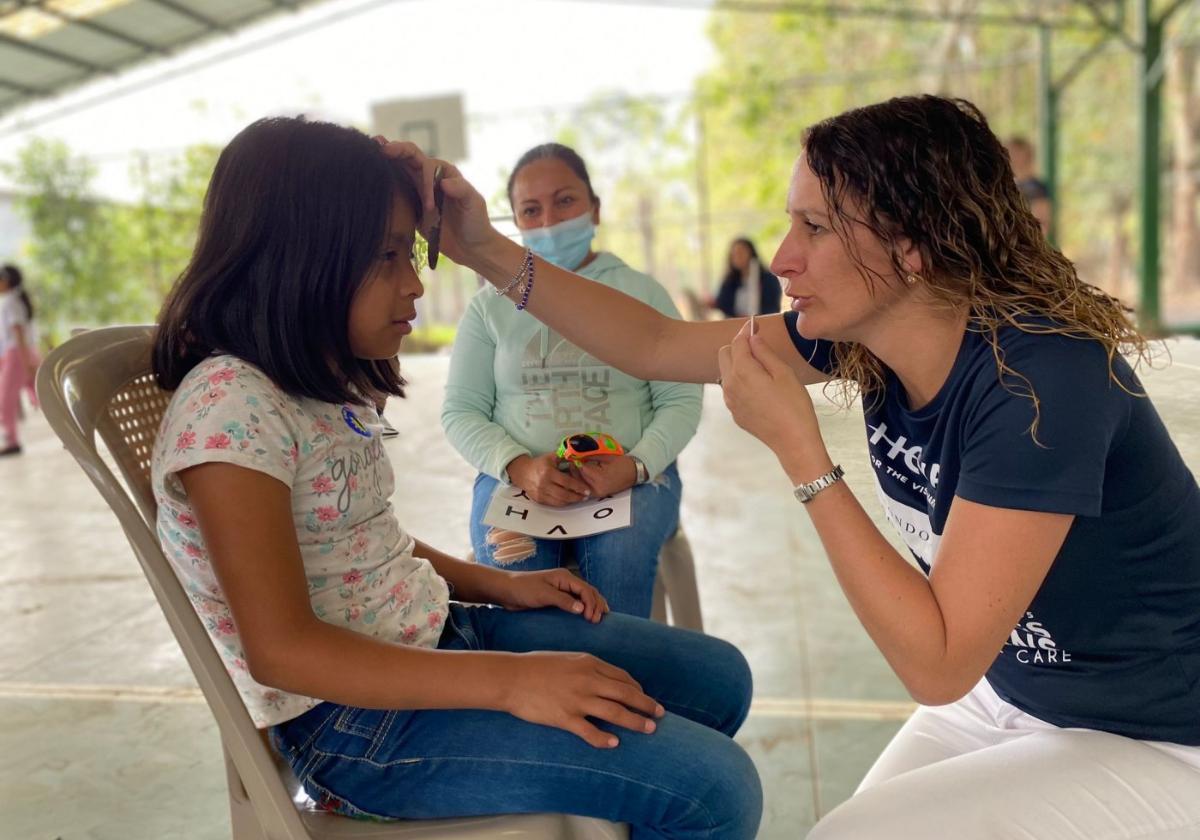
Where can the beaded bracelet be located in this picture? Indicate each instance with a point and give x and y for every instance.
(528, 288)
(526, 270)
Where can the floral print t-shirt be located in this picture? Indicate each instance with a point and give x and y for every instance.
(358, 561)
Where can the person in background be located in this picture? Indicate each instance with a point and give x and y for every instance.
(18, 355)
(1033, 189)
(516, 388)
(748, 287)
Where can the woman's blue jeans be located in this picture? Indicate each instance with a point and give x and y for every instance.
(622, 564)
(688, 779)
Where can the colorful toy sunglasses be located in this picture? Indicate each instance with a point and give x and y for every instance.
(587, 445)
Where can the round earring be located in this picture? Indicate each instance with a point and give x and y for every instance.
(911, 279)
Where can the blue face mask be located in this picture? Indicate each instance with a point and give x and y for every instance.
(565, 244)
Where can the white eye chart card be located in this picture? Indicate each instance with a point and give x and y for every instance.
(513, 510)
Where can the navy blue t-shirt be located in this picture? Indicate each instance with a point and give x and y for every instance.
(1111, 641)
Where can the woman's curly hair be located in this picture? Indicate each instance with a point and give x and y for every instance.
(929, 170)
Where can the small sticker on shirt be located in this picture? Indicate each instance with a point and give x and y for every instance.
(354, 423)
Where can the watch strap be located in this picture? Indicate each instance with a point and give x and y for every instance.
(643, 474)
(804, 493)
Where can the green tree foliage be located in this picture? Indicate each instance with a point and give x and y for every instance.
(159, 232)
(776, 74)
(681, 179)
(97, 262)
(639, 152)
(73, 268)
(640, 158)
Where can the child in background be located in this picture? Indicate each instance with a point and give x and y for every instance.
(18, 355)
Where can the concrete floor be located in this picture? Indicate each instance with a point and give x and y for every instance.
(105, 736)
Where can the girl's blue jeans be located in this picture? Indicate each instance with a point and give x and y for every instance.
(621, 563)
(688, 779)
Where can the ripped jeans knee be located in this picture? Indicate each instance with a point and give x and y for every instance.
(508, 547)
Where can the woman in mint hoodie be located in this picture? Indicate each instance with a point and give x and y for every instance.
(516, 388)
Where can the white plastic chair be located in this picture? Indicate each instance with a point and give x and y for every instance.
(675, 585)
(99, 383)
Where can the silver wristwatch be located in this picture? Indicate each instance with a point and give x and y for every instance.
(805, 492)
(643, 474)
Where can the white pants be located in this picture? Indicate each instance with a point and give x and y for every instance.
(981, 769)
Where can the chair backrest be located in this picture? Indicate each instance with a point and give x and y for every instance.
(99, 383)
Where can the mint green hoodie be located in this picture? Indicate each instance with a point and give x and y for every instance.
(517, 388)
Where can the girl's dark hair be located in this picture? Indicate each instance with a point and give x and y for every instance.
(929, 170)
(555, 151)
(295, 216)
(15, 280)
(732, 275)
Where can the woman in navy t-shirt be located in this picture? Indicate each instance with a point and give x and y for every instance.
(1052, 631)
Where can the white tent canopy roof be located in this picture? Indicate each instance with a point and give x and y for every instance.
(49, 46)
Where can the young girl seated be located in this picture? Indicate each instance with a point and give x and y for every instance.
(385, 697)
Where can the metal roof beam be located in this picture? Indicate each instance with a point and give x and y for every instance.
(53, 55)
(868, 9)
(192, 14)
(1112, 25)
(92, 26)
(903, 13)
(25, 90)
